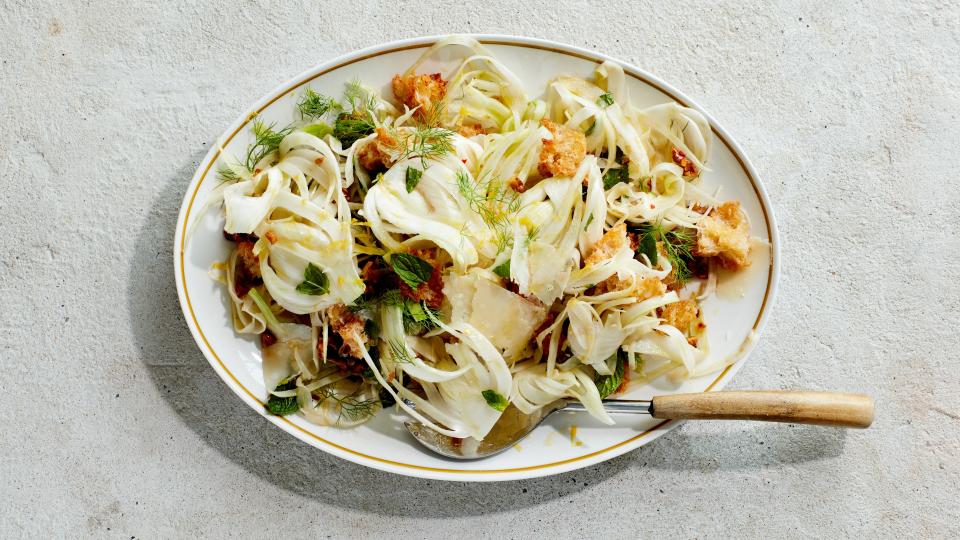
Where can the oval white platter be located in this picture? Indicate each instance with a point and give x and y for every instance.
(734, 324)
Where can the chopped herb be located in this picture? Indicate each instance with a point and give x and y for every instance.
(371, 328)
(351, 407)
(589, 221)
(413, 270)
(416, 311)
(590, 129)
(495, 400)
(350, 127)
(605, 100)
(503, 270)
(266, 141)
(359, 97)
(398, 350)
(425, 142)
(282, 406)
(314, 105)
(319, 130)
(677, 246)
(608, 384)
(228, 175)
(413, 178)
(648, 246)
(386, 399)
(494, 202)
(314, 282)
(419, 318)
(616, 176)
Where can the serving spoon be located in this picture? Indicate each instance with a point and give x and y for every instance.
(834, 409)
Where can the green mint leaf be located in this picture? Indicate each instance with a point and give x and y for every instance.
(495, 400)
(314, 282)
(609, 384)
(605, 100)
(648, 246)
(615, 176)
(413, 178)
(503, 270)
(282, 406)
(413, 270)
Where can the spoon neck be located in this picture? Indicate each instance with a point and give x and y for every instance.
(621, 406)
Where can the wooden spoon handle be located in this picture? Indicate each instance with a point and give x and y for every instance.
(821, 408)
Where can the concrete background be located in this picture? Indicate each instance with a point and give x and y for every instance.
(115, 426)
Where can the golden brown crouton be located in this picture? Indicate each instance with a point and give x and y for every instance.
(378, 153)
(424, 91)
(611, 242)
(561, 155)
(349, 326)
(682, 315)
(645, 288)
(470, 131)
(725, 234)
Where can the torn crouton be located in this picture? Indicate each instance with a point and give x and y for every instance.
(378, 153)
(725, 234)
(349, 326)
(561, 154)
(645, 288)
(683, 315)
(609, 244)
(470, 131)
(424, 91)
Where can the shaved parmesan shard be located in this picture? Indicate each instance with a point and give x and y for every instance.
(508, 320)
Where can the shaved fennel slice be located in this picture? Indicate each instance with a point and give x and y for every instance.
(403, 356)
(595, 209)
(433, 210)
(681, 127)
(279, 360)
(591, 339)
(534, 389)
(244, 208)
(246, 316)
(459, 403)
(480, 90)
(294, 245)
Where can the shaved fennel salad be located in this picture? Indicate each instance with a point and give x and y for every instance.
(459, 246)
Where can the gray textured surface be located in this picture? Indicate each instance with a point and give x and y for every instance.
(114, 425)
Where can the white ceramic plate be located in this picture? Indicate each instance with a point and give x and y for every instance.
(382, 443)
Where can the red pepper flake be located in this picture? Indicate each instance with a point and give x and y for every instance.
(319, 160)
(271, 237)
(267, 339)
(652, 206)
(680, 158)
(464, 161)
(257, 171)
